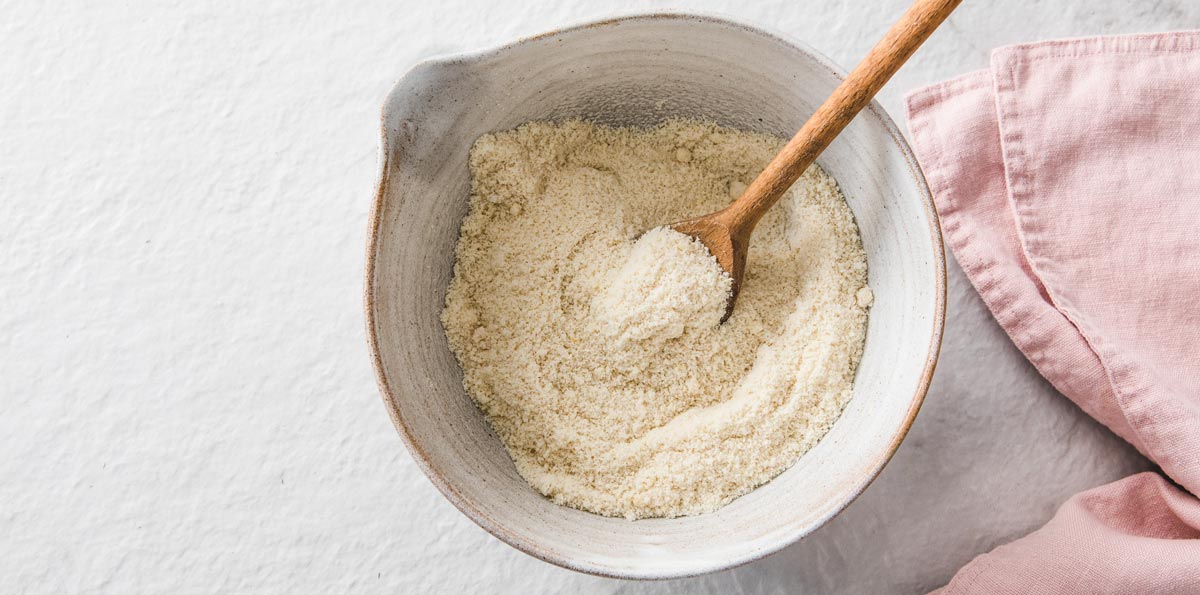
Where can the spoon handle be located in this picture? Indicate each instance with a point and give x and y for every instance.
(831, 118)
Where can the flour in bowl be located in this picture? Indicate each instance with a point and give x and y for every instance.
(590, 336)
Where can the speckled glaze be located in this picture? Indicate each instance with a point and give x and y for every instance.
(639, 70)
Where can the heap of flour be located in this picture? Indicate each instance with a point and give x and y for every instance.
(669, 285)
(595, 347)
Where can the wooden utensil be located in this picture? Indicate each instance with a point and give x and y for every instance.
(727, 232)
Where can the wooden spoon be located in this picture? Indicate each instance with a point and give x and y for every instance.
(726, 233)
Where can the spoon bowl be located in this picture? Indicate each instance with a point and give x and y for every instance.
(726, 243)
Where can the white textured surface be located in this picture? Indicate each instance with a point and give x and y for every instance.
(186, 403)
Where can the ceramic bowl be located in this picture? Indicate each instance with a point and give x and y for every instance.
(639, 70)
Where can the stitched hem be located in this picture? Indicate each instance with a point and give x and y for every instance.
(1007, 65)
(1022, 317)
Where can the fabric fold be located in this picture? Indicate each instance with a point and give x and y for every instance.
(1067, 177)
(1137, 536)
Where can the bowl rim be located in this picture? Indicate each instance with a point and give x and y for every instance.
(534, 549)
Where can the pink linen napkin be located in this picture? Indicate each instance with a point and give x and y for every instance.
(1067, 177)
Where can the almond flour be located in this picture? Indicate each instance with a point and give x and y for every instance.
(600, 360)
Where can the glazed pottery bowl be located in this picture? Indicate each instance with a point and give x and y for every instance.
(638, 71)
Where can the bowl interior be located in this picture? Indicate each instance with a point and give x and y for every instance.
(639, 71)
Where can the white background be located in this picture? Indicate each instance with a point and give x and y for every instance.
(186, 402)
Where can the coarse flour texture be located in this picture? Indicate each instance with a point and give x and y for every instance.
(599, 358)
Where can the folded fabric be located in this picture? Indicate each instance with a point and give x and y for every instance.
(1138, 536)
(1067, 177)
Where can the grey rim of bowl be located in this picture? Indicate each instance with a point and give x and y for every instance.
(499, 531)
